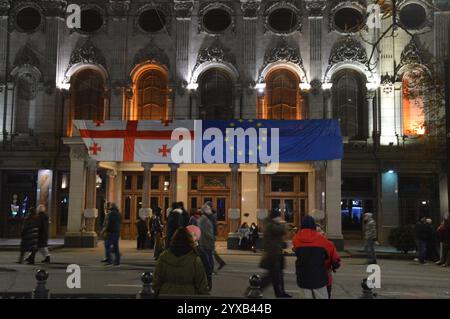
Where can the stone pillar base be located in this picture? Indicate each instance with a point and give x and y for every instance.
(80, 240)
(234, 218)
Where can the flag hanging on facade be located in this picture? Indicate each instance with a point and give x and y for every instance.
(196, 141)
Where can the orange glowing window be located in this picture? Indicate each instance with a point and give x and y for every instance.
(152, 95)
(283, 98)
(413, 102)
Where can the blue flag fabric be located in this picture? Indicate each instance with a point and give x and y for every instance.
(297, 141)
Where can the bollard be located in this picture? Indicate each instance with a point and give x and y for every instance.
(41, 292)
(254, 291)
(147, 290)
(367, 292)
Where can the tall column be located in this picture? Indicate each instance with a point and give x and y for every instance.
(328, 102)
(73, 236)
(91, 211)
(173, 182)
(146, 211)
(333, 203)
(389, 217)
(111, 186)
(262, 212)
(371, 113)
(234, 213)
(4, 47)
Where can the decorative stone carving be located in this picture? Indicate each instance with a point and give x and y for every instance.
(336, 5)
(151, 52)
(27, 86)
(348, 49)
(164, 8)
(78, 152)
(225, 5)
(55, 8)
(5, 5)
(316, 86)
(413, 54)
(19, 5)
(26, 56)
(118, 8)
(214, 53)
(387, 83)
(250, 9)
(316, 7)
(87, 53)
(183, 9)
(293, 5)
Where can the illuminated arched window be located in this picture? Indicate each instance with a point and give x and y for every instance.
(348, 103)
(414, 82)
(152, 95)
(87, 96)
(216, 90)
(283, 100)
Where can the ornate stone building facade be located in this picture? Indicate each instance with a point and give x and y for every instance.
(223, 59)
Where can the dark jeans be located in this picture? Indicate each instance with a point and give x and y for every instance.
(422, 250)
(276, 277)
(209, 257)
(158, 245)
(112, 246)
(218, 259)
(445, 250)
(370, 248)
(141, 241)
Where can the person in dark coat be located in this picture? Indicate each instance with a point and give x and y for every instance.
(156, 228)
(43, 233)
(195, 216)
(142, 229)
(254, 236)
(111, 230)
(178, 218)
(213, 217)
(29, 236)
(313, 252)
(443, 234)
(422, 236)
(273, 259)
(432, 253)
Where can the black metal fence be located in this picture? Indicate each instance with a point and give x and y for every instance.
(41, 292)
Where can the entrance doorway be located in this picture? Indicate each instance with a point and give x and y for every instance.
(132, 187)
(215, 188)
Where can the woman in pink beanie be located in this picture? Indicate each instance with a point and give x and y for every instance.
(196, 234)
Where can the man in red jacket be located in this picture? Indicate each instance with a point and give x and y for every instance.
(315, 256)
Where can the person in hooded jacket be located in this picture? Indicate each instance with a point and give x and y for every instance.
(312, 251)
(213, 217)
(207, 241)
(178, 218)
(180, 270)
(29, 236)
(273, 259)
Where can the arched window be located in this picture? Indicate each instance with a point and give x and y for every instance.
(414, 83)
(283, 98)
(26, 89)
(216, 90)
(87, 96)
(152, 95)
(348, 103)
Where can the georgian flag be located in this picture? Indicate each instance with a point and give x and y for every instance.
(132, 141)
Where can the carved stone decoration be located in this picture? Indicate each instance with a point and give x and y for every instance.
(293, 5)
(5, 5)
(316, 86)
(387, 83)
(55, 8)
(17, 7)
(316, 7)
(118, 8)
(78, 152)
(282, 53)
(27, 86)
(151, 52)
(214, 53)
(413, 53)
(87, 53)
(211, 5)
(336, 5)
(348, 49)
(250, 9)
(183, 9)
(26, 56)
(164, 8)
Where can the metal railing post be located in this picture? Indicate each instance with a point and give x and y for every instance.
(254, 291)
(147, 290)
(41, 292)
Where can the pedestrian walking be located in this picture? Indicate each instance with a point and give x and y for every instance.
(195, 216)
(370, 234)
(44, 222)
(422, 236)
(178, 218)
(142, 229)
(207, 241)
(111, 232)
(29, 236)
(313, 252)
(156, 228)
(432, 253)
(196, 233)
(273, 258)
(254, 236)
(213, 217)
(443, 234)
(179, 270)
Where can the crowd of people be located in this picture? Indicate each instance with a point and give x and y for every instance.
(427, 239)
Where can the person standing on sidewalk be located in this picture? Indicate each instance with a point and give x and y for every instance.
(207, 241)
(111, 231)
(370, 234)
(213, 218)
(273, 259)
(29, 236)
(44, 221)
(156, 228)
(444, 237)
(421, 240)
(142, 229)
